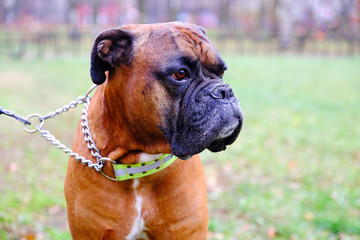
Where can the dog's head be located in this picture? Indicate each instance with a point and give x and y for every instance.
(170, 79)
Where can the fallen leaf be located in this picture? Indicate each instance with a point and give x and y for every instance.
(309, 215)
(30, 236)
(54, 210)
(13, 167)
(292, 165)
(271, 232)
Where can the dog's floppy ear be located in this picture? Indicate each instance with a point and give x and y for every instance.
(111, 48)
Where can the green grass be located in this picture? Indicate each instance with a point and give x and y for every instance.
(294, 172)
(296, 165)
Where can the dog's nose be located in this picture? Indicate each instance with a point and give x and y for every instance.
(222, 91)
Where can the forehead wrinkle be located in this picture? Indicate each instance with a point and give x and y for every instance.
(163, 38)
(189, 38)
(178, 39)
(202, 48)
(155, 42)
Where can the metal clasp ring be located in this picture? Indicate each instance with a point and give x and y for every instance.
(101, 171)
(39, 126)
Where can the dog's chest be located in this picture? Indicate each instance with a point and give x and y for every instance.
(138, 226)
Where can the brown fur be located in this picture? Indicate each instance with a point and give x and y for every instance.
(124, 115)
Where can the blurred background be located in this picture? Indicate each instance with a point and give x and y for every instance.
(327, 27)
(293, 173)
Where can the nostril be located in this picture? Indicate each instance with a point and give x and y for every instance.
(222, 92)
(231, 93)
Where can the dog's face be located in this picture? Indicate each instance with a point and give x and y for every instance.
(172, 72)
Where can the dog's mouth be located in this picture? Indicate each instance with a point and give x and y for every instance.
(193, 145)
(218, 145)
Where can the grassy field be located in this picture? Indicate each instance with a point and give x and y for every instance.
(294, 172)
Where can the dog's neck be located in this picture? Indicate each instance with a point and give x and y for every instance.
(114, 135)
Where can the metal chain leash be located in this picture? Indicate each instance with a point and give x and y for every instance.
(14, 115)
(120, 173)
(51, 138)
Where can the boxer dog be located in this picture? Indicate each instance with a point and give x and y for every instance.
(160, 91)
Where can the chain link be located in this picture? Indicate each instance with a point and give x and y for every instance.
(87, 135)
(65, 108)
(85, 129)
(51, 138)
(73, 104)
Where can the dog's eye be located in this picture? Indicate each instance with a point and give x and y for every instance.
(221, 75)
(180, 75)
